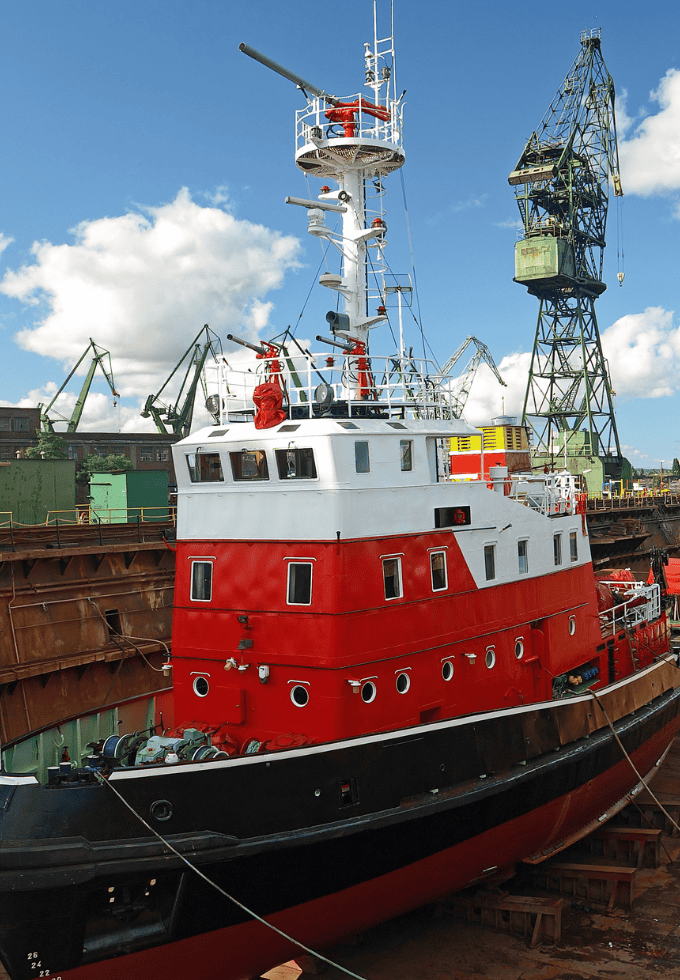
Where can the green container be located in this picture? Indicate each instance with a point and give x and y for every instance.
(34, 491)
(117, 498)
(543, 257)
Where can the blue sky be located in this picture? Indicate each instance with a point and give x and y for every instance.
(145, 161)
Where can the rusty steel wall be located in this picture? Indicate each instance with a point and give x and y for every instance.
(82, 624)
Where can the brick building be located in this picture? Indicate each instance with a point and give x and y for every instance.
(146, 450)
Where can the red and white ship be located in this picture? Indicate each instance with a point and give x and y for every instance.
(387, 684)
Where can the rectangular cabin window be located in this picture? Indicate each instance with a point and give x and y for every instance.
(523, 557)
(204, 467)
(573, 546)
(249, 464)
(451, 516)
(557, 548)
(201, 580)
(406, 454)
(361, 458)
(438, 570)
(295, 464)
(490, 561)
(299, 583)
(392, 578)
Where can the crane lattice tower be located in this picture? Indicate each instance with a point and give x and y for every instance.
(562, 189)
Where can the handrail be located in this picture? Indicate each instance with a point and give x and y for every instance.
(642, 604)
(132, 515)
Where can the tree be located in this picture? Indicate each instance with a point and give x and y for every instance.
(50, 446)
(676, 469)
(102, 464)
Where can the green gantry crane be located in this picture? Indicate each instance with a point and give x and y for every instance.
(561, 185)
(99, 356)
(177, 418)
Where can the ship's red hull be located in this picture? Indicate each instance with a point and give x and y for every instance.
(245, 950)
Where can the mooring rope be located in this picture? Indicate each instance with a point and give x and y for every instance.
(213, 884)
(632, 764)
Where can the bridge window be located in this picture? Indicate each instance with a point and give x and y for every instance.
(573, 546)
(295, 464)
(249, 464)
(523, 557)
(438, 570)
(362, 460)
(201, 580)
(204, 467)
(490, 561)
(557, 548)
(299, 583)
(392, 578)
(406, 454)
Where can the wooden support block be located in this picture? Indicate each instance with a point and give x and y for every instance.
(601, 873)
(527, 915)
(637, 836)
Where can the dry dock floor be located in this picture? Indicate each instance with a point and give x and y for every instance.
(430, 944)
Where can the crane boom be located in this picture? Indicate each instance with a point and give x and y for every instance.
(99, 356)
(177, 418)
(458, 396)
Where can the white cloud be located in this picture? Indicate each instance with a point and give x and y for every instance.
(488, 399)
(643, 352)
(142, 285)
(470, 202)
(650, 158)
(4, 242)
(510, 223)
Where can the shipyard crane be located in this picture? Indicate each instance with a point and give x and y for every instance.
(458, 396)
(99, 356)
(561, 185)
(177, 418)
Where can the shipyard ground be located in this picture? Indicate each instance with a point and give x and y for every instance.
(619, 945)
(622, 944)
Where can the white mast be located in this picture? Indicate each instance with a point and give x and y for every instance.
(351, 141)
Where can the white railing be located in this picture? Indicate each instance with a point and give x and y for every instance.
(548, 493)
(365, 385)
(641, 603)
(360, 124)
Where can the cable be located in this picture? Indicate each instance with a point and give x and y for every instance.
(419, 319)
(314, 282)
(632, 764)
(214, 885)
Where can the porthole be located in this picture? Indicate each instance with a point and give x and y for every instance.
(572, 625)
(201, 686)
(490, 658)
(447, 670)
(299, 695)
(368, 692)
(403, 683)
(161, 810)
(519, 648)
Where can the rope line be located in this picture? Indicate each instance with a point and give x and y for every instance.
(632, 764)
(213, 884)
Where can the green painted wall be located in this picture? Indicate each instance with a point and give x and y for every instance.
(116, 498)
(33, 488)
